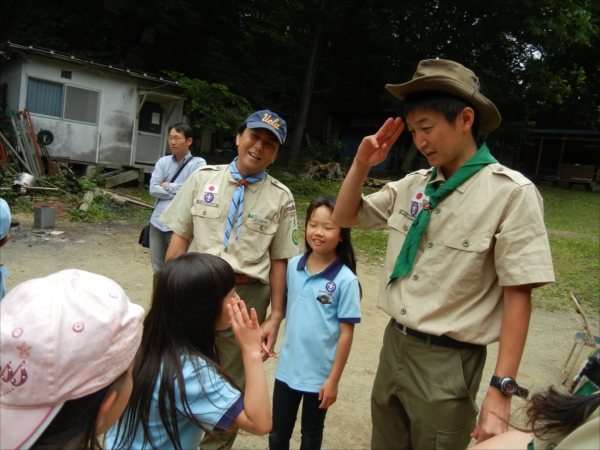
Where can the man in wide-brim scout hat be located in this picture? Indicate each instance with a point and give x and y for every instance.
(467, 244)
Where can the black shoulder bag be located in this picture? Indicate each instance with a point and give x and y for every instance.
(144, 239)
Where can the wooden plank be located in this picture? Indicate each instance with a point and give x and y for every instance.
(110, 174)
(131, 199)
(122, 178)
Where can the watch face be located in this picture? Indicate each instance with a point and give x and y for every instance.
(509, 386)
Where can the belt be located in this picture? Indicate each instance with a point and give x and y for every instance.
(240, 278)
(441, 341)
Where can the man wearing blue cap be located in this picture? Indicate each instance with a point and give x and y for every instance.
(246, 217)
(4, 237)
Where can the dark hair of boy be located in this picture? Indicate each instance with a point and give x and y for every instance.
(183, 128)
(449, 105)
(75, 424)
(187, 300)
(344, 248)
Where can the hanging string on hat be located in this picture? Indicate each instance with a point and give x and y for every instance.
(406, 258)
(237, 202)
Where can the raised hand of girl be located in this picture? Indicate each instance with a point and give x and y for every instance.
(245, 327)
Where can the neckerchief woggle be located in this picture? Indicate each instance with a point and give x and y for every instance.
(237, 202)
(433, 196)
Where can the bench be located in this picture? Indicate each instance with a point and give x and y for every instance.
(576, 173)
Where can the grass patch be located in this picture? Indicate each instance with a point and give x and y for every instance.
(572, 219)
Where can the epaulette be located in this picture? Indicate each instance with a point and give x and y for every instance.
(517, 177)
(213, 167)
(280, 185)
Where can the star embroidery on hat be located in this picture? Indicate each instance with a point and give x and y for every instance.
(23, 350)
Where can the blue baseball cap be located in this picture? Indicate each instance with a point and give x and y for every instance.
(4, 218)
(269, 120)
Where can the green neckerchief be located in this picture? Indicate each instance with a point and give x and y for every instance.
(406, 258)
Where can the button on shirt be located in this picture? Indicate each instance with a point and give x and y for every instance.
(316, 305)
(165, 168)
(487, 234)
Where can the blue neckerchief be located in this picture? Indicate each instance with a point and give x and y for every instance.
(237, 202)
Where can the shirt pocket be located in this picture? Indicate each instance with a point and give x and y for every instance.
(458, 268)
(255, 240)
(399, 226)
(206, 226)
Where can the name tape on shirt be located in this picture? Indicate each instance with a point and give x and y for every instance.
(259, 220)
(407, 215)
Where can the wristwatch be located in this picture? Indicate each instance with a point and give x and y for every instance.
(508, 386)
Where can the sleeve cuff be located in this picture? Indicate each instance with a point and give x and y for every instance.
(349, 320)
(230, 416)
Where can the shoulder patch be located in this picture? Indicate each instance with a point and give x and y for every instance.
(290, 208)
(517, 177)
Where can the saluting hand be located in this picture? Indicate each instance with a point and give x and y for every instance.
(374, 149)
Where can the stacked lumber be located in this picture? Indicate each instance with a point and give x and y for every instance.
(375, 183)
(330, 171)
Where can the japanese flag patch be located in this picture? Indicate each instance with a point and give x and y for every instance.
(418, 196)
(212, 188)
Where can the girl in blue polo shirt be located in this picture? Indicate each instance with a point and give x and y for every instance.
(323, 304)
(179, 390)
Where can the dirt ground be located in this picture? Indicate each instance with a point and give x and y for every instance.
(112, 250)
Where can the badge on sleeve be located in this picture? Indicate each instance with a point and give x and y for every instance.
(418, 196)
(212, 188)
(295, 237)
(290, 208)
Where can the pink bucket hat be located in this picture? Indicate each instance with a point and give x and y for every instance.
(62, 337)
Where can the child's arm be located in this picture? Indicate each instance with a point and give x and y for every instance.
(329, 390)
(256, 415)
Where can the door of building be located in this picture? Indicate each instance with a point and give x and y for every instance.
(150, 133)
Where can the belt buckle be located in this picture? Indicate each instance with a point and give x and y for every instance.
(401, 329)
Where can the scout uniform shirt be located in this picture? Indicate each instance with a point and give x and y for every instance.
(487, 234)
(269, 224)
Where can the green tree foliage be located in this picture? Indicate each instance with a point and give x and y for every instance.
(211, 105)
(537, 59)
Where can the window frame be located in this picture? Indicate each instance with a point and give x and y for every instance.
(65, 87)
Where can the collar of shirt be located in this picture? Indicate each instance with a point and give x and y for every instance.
(252, 186)
(329, 273)
(441, 179)
(188, 156)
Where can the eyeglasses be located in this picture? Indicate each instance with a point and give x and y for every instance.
(174, 138)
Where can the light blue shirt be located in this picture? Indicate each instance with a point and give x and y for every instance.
(164, 170)
(316, 305)
(212, 400)
(3, 272)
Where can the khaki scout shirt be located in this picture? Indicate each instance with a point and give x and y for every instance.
(487, 234)
(269, 224)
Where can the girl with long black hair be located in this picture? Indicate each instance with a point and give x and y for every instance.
(180, 392)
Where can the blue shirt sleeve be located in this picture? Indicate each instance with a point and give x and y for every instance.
(212, 399)
(159, 175)
(349, 303)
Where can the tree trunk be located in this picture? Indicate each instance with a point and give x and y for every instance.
(307, 87)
